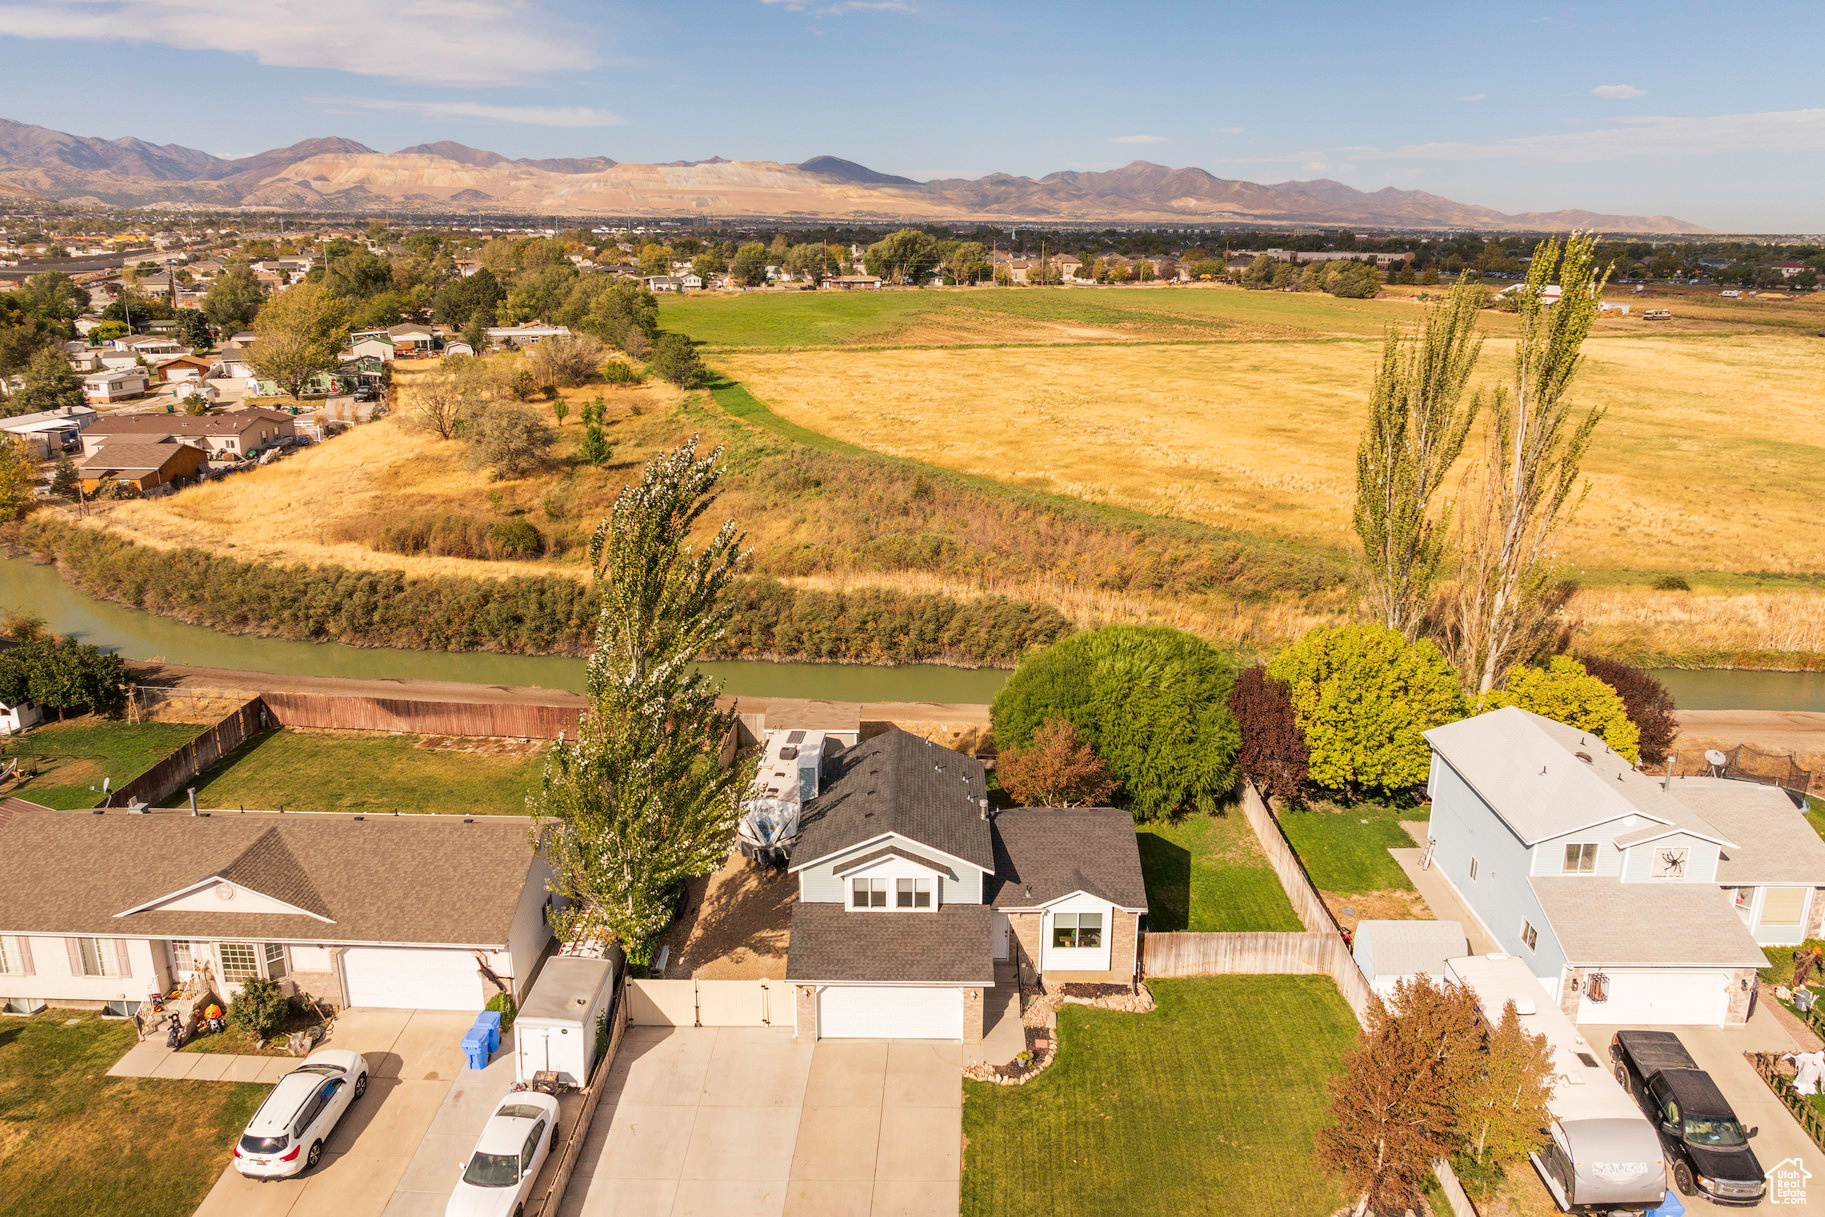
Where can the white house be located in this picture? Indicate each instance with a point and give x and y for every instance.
(380, 348)
(98, 909)
(1634, 899)
(118, 385)
(14, 719)
(524, 335)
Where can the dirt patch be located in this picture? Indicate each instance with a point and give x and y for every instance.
(482, 746)
(735, 925)
(1377, 906)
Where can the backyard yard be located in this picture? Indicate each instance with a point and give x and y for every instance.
(1209, 1104)
(75, 1142)
(70, 759)
(323, 771)
(1207, 874)
(1345, 851)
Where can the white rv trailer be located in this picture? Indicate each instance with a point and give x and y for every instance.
(1604, 1156)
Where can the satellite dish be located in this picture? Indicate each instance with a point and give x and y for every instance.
(1715, 758)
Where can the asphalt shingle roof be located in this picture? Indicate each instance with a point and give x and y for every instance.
(429, 879)
(1409, 948)
(131, 458)
(949, 945)
(1601, 921)
(898, 783)
(1773, 841)
(1043, 853)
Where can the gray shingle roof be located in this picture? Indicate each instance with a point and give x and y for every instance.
(948, 946)
(429, 879)
(118, 457)
(1773, 841)
(1043, 853)
(898, 783)
(1409, 948)
(1601, 921)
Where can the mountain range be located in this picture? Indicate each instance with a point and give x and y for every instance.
(335, 174)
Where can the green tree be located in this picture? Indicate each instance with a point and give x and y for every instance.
(1153, 702)
(1362, 694)
(1528, 486)
(18, 478)
(49, 383)
(749, 265)
(193, 328)
(259, 1010)
(1418, 422)
(707, 266)
(53, 296)
(1564, 692)
(63, 675)
(906, 256)
(812, 260)
(595, 447)
(674, 358)
(465, 298)
(967, 262)
(65, 481)
(560, 409)
(638, 802)
(301, 331)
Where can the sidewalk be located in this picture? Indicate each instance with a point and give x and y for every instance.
(151, 1059)
(1441, 897)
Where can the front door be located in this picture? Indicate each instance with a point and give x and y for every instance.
(1000, 934)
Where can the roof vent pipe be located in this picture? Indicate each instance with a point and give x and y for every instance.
(984, 804)
(192, 792)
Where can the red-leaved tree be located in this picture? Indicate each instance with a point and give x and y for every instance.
(1649, 705)
(1058, 769)
(1273, 754)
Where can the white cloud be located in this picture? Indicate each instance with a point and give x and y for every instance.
(526, 116)
(1660, 137)
(1137, 139)
(1231, 130)
(1475, 97)
(426, 42)
(1618, 92)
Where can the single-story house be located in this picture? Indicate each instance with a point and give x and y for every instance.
(852, 283)
(911, 894)
(116, 385)
(53, 430)
(150, 467)
(150, 346)
(380, 348)
(242, 432)
(1634, 898)
(183, 367)
(98, 909)
(1389, 952)
(524, 335)
(182, 390)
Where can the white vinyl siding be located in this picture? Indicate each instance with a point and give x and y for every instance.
(957, 883)
(1640, 863)
(889, 1012)
(1077, 934)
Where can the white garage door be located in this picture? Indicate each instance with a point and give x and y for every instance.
(889, 1012)
(1659, 997)
(405, 978)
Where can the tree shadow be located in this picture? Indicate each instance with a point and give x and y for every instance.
(1166, 867)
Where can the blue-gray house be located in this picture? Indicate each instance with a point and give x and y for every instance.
(1633, 898)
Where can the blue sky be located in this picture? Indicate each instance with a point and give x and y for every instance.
(1711, 112)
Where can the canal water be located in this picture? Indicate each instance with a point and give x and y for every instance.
(27, 587)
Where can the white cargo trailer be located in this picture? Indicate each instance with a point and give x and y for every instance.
(555, 1031)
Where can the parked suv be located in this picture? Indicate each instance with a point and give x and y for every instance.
(286, 1136)
(1706, 1145)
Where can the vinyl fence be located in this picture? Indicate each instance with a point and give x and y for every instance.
(710, 1003)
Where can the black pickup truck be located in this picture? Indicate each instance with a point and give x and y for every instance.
(1706, 1146)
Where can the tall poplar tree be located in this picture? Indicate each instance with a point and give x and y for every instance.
(639, 801)
(1418, 421)
(1528, 487)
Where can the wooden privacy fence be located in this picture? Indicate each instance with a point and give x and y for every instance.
(422, 716)
(167, 777)
(1300, 889)
(1322, 954)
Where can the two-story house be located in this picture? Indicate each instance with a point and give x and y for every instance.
(1633, 898)
(912, 891)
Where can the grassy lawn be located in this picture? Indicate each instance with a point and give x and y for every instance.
(329, 772)
(1207, 874)
(1345, 849)
(76, 1143)
(71, 757)
(1207, 1105)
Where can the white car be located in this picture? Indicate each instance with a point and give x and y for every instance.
(513, 1146)
(286, 1136)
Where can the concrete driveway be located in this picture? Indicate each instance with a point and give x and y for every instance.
(747, 1122)
(1719, 1052)
(412, 1056)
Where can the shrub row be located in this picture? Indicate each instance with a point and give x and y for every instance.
(449, 536)
(550, 614)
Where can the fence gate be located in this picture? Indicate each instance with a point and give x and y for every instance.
(709, 1003)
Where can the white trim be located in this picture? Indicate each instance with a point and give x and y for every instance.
(1074, 892)
(206, 935)
(887, 836)
(870, 863)
(215, 881)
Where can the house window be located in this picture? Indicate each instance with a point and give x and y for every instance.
(97, 958)
(1529, 935)
(1783, 905)
(1743, 896)
(10, 962)
(240, 961)
(275, 960)
(1073, 930)
(1670, 863)
(913, 893)
(868, 893)
(1473, 870)
(1581, 859)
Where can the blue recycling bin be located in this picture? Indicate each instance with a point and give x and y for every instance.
(1670, 1207)
(491, 1021)
(475, 1047)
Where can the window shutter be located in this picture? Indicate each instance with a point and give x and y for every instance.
(25, 955)
(75, 956)
(120, 956)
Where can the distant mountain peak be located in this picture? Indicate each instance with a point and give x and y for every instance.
(838, 169)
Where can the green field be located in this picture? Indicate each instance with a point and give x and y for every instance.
(1207, 874)
(72, 758)
(314, 771)
(1345, 849)
(1209, 1104)
(77, 1143)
